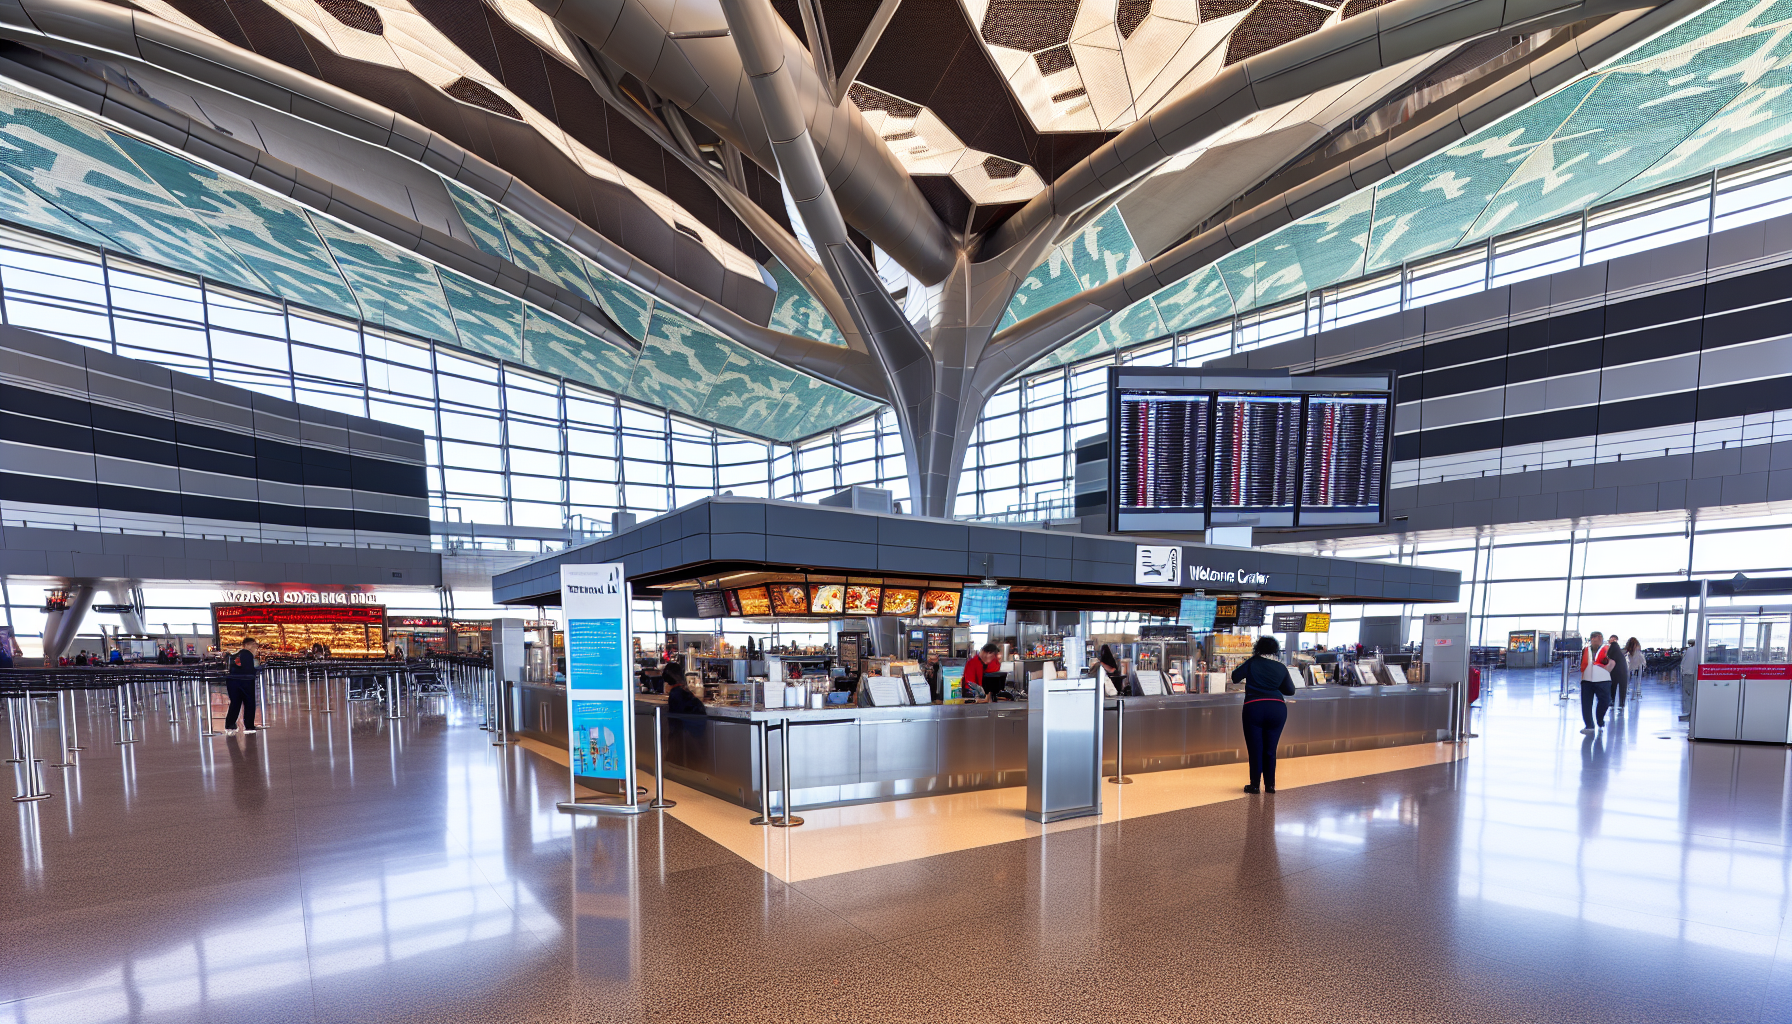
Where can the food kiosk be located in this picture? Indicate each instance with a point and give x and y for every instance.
(900, 582)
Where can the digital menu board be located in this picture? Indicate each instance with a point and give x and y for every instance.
(1250, 612)
(861, 599)
(901, 601)
(1238, 611)
(789, 598)
(710, 604)
(1193, 449)
(1197, 613)
(731, 598)
(1302, 622)
(754, 601)
(985, 606)
(939, 604)
(827, 598)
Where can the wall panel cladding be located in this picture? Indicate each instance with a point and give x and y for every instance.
(1681, 357)
(96, 441)
(1673, 393)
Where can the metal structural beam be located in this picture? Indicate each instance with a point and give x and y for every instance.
(861, 52)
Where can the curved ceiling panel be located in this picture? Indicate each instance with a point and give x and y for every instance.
(1712, 91)
(68, 175)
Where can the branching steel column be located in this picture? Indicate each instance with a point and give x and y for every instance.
(904, 357)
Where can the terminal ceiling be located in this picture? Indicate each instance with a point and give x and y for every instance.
(982, 103)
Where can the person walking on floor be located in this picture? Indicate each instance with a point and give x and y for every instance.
(1620, 674)
(1596, 664)
(239, 681)
(1266, 682)
(1636, 661)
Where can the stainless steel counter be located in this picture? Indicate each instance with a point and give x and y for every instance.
(854, 755)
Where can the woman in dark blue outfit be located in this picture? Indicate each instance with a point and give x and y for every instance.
(1266, 682)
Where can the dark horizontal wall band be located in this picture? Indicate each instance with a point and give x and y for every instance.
(36, 417)
(143, 501)
(1740, 310)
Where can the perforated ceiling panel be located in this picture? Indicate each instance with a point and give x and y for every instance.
(1098, 65)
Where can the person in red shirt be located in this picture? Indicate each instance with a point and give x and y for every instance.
(987, 660)
(1596, 664)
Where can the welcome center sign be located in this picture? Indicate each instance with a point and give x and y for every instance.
(600, 701)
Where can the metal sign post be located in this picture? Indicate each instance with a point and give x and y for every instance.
(599, 685)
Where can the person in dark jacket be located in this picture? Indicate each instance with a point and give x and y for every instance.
(1620, 674)
(679, 700)
(1266, 682)
(239, 680)
(1110, 665)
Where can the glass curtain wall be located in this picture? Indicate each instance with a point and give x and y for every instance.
(508, 448)
(1575, 581)
(1569, 582)
(996, 486)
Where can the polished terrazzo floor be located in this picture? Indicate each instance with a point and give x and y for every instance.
(347, 868)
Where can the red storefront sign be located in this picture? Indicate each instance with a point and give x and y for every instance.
(297, 615)
(1745, 671)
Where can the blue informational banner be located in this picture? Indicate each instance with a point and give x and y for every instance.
(598, 677)
(1197, 613)
(984, 606)
(598, 739)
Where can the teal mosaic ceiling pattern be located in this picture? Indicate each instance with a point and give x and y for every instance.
(65, 174)
(797, 312)
(1713, 91)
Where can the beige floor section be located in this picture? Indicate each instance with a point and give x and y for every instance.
(838, 839)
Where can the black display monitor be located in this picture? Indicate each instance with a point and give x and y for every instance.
(1194, 449)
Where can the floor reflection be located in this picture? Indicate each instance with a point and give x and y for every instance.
(347, 866)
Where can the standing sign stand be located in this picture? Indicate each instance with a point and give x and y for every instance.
(599, 685)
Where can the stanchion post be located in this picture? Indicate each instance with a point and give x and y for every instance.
(18, 741)
(787, 819)
(1119, 777)
(765, 776)
(204, 685)
(660, 802)
(498, 734)
(64, 706)
(126, 722)
(34, 786)
(74, 727)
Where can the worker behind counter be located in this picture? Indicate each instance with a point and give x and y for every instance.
(987, 662)
(679, 700)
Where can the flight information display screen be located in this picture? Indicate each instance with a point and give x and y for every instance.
(1161, 437)
(1193, 450)
(1256, 458)
(1344, 457)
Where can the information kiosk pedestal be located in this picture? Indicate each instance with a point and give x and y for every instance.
(1064, 749)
